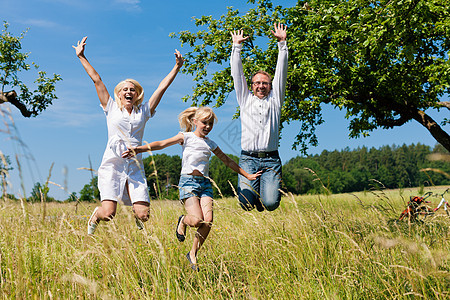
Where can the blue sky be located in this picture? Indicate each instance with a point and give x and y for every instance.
(126, 39)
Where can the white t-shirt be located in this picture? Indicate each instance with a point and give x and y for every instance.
(196, 153)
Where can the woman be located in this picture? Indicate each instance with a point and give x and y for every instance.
(120, 179)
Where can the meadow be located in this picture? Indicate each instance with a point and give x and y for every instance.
(345, 246)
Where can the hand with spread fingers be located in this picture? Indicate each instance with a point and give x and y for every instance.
(280, 31)
(238, 36)
(79, 48)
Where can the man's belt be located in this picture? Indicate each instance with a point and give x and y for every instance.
(261, 154)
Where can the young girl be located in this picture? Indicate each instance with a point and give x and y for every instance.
(194, 186)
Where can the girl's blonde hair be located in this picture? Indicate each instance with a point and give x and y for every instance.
(199, 113)
(139, 91)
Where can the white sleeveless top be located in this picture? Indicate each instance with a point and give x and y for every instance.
(196, 153)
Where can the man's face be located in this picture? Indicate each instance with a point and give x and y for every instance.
(261, 85)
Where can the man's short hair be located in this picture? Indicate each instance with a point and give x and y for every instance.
(264, 73)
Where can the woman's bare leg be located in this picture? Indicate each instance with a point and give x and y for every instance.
(141, 210)
(105, 212)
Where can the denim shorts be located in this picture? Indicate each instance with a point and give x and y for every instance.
(194, 186)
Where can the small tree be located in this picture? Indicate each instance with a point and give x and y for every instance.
(40, 193)
(72, 197)
(90, 191)
(5, 167)
(162, 173)
(12, 61)
(223, 176)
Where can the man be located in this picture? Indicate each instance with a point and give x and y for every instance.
(260, 121)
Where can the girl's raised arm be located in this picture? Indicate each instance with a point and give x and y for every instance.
(233, 165)
(165, 83)
(158, 145)
(102, 92)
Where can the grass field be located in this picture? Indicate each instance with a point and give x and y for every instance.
(313, 247)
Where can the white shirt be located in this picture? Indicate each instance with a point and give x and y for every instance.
(196, 153)
(260, 118)
(124, 130)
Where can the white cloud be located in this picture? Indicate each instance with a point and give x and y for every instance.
(40, 23)
(130, 5)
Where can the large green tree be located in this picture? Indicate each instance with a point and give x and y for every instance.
(384, 62)
(12, 61)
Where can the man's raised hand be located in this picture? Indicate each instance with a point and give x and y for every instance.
(238, 36)
(280, 31)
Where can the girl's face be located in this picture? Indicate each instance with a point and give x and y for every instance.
(128, 94)
(203, 126)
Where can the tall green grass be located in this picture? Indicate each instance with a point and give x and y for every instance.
(312, 247)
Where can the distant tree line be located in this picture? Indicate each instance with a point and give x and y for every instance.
(163, 173)
(330, 171)
(357, 170)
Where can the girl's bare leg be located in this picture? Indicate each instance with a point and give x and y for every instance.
(205, 207)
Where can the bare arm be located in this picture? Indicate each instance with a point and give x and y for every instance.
(234, 166)
(165, 83)
(157, 145)
(102, 92)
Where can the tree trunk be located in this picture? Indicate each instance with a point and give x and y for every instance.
(436, 131)
(11, 97)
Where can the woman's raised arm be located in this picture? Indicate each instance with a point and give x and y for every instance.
(165, 83)
(102, 92)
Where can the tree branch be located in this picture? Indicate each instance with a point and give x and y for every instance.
(11, 97)
(444, 104)
(436, 131)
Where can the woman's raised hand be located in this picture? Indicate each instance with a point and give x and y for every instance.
(79, 48)
(179, 58)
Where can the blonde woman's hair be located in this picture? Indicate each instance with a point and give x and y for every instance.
(139, 91)
(199, 113)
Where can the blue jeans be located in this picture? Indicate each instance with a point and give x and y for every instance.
(194, 186)
(264, 191)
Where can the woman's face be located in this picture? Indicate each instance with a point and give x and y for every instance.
(127, 94)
